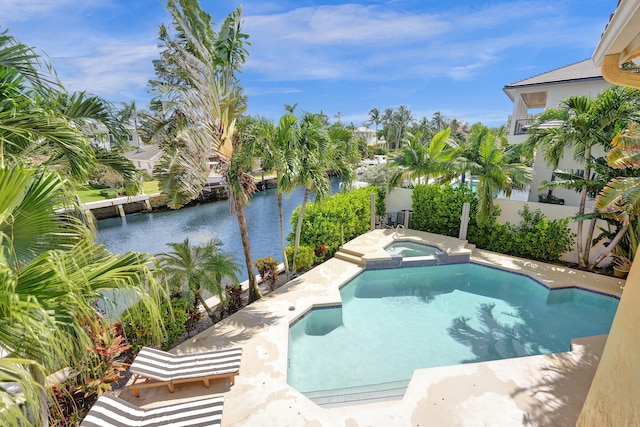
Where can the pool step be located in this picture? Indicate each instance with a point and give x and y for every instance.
(346, 250)
(362, 394)
(349, 257)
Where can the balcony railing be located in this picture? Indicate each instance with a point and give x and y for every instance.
(521, 126)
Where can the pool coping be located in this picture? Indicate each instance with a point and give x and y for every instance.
(546, 389)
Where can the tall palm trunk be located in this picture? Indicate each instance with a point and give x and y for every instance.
(281, 218)
(299, 227)
(254, 291)
(610, 246)
(582, 262)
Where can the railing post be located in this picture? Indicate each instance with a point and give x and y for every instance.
(373, 211)
(464, 221)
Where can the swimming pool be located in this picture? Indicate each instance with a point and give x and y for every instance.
(396, 320)
(410, 249)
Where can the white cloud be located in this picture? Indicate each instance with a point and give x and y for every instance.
(374, 42)
(24, 10)
(263, 91)
(345, 24)
(111, 69)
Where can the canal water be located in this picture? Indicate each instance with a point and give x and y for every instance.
(151, 232)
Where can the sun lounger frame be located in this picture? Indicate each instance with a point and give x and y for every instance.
(153, 368)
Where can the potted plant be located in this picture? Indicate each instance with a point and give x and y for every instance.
(621, 266)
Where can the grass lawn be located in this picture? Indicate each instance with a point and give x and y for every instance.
(88, 194)
(151, 187)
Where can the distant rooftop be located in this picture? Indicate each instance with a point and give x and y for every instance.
(144, 152)
(583, 70)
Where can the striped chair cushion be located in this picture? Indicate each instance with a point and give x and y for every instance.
(110, 411)
(164, 366)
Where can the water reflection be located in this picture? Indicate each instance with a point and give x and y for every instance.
(152, 232)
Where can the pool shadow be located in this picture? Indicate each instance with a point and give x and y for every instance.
(493, 340)
(559, 395)
(561, 382)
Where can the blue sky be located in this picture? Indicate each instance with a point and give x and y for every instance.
(338, 57)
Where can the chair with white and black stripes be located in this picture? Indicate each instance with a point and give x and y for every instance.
(111, 411)
(153, 367)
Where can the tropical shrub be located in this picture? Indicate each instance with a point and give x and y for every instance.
(108, 194)
(380, 205)
(104, 367)
(233, 298)
(437, 209)
(343, 214)
(268, 270)
(535, 237)
(136, 328)
(306, 257)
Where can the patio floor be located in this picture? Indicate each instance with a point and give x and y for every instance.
(545, 390)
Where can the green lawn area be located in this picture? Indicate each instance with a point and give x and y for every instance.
(151, 187)
(88, 194)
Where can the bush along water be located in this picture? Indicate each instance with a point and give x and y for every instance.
(326, 222)
(136, 327)
(268, 270)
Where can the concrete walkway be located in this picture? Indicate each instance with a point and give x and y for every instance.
(546, 390)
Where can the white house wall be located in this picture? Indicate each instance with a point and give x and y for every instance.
(556, 93)
(542, 172)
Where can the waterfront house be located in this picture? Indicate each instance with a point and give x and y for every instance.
(547, 90)
(145, 157)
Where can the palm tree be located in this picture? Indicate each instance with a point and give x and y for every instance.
(313, 154)
(586, 124)
(277, 145)
(197, 84)
(191, 268)
(375, 117)
(53, 272)
(492, 164)
(417, 161)
(620, 199)
(439, 121)
(344, 153)
(401, 119)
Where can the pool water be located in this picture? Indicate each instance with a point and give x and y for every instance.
(411, 249)
(396, 320)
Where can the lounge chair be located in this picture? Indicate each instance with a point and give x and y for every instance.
(152, 368)
(110, 411)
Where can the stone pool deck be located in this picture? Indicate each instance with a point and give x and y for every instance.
(546, 390)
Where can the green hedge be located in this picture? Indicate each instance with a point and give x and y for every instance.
(535, 237)
(437, 209)
(305, 259)
(324, 222)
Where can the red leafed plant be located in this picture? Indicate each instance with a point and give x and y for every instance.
(96, 374)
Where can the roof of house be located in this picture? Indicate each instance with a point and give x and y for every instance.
(621, 33)
(583, 70)
(144, 152)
